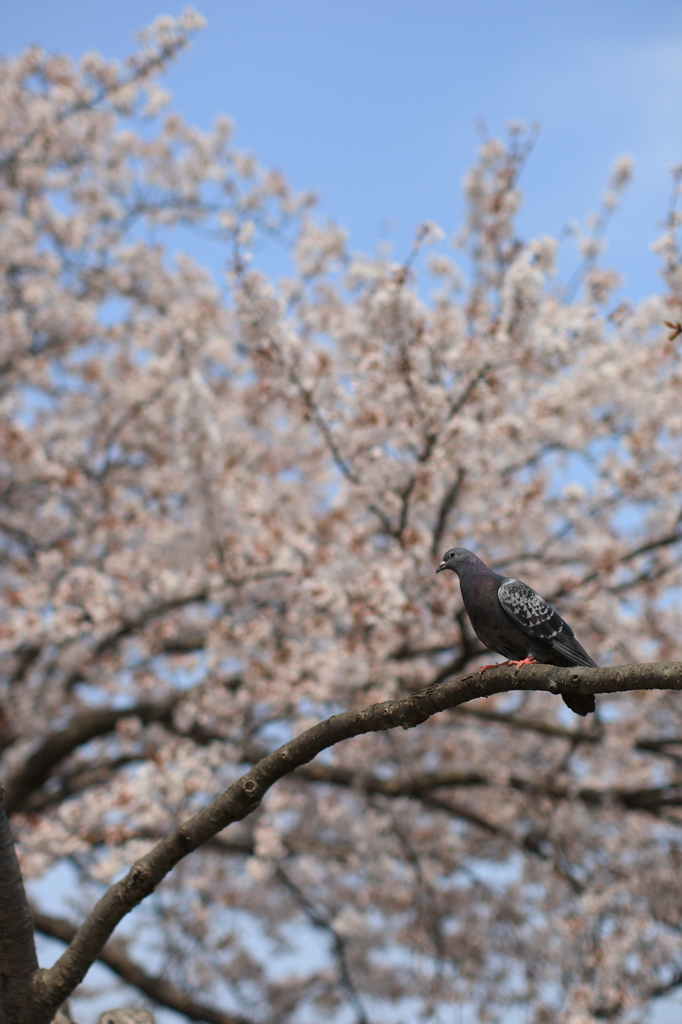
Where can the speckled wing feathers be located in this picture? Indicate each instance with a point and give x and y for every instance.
(539, 619)
(530, 610)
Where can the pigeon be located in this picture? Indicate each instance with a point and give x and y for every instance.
(509, 617)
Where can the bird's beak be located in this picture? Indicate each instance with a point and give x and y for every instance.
(443, 565)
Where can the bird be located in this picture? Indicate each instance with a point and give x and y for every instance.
(511, 618)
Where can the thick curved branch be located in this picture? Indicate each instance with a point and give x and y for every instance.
(130, 625)
(18, 959)
(69, 784)
(159, 989)
(84, 727)
(54, 985)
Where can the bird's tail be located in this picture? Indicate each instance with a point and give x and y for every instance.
(580, 703)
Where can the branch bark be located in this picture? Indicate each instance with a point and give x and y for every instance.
(18, 959)
(131, 625)
(651, 799)
(84, 727)
(159, 989)
(53, 986)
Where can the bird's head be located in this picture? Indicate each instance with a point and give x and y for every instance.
(455, 559)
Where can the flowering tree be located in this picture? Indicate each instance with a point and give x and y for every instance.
(223, 504)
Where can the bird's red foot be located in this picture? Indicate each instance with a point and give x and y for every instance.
(526, 661)
(496, 664)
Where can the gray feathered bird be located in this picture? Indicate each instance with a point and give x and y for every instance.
(509, 617)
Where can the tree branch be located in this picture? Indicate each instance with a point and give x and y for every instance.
(421, 788)
(651, 799)
(84, 727)
(18, 959)
(533, 725)
(159, 989)
(69, 784)
(54, 985)
(131, 625)
(447, 503)
(338, 944)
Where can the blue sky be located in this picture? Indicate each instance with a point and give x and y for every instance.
(373, 103)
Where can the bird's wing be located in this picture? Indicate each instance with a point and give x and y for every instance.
(537, 618)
